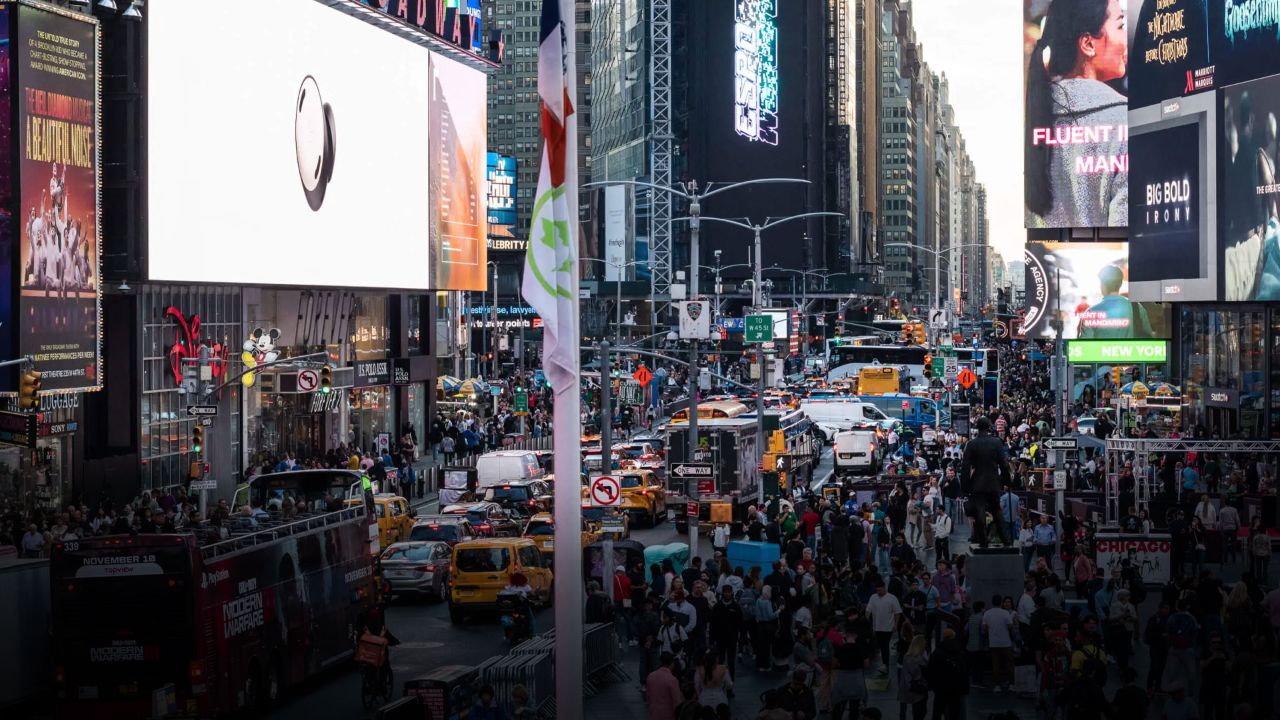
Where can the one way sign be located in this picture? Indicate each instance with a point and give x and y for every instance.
(691, 470)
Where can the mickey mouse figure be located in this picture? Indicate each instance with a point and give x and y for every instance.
(259, 349)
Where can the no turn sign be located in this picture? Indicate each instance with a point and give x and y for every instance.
(606, 492)
(308, 380)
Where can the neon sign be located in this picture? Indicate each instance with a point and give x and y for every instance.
(755, 70)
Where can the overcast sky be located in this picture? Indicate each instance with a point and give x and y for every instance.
(979, 47)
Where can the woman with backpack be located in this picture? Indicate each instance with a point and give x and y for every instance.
(913, 687)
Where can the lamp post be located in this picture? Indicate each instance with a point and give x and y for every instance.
(617, 323)
(937, 256)
(494, 348)
(691, 193)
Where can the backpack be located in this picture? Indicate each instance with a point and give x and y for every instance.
(1095, 664)
(1181, 628)
(826, 649)
(747, 602)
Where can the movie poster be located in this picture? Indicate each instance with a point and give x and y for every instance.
(459, 164)
(1085, 286)
(1077, 126)
(58, 206)
(1169, 50)
(1251, 196)
(7, 259)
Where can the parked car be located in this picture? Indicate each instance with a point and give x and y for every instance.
(417, 568)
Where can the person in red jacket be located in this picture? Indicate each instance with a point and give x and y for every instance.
(810, 521)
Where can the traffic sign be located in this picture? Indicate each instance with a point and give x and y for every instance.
(930, 436)
(1063, 443)
(966, 378)
(951, 364)
(203, 485)
(937, 318)
(606, 492)
(692, 470)
(939, 366)
(1059, 479)
(759, 329)
(706, 486)
(642, 375)
(522, 402)
(308, 380)
(206, 422)
(693, 510)
(202, 410)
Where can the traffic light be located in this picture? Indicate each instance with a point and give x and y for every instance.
(907, 334)
(326, 379)
(29, 390)
(928, 363)
(918, 330)
(197, 439)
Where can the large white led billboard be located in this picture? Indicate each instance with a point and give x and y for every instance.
(290, 144)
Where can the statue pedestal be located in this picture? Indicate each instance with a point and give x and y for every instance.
(995, 570)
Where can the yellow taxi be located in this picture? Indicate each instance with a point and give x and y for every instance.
(395, 518)
(541, 530)
(480, 569)
(643, 497)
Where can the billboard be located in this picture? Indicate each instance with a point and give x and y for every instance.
(58, 141)
(1251, 192)
(1173, 227)
(1085, 286)
(1076, 125)
(457, 160)
(501, 181)
(304, 168)
(1245, 35)
(1170, 50)
(1117, 351)
(757, 109)
(9, 252)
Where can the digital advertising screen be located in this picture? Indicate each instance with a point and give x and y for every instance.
(292, 149)
(501, 179)
(1170, 50)
(9, 252)
(748, 64)
(1164, 228)
(1085, 287)
(1076, 158)
(458, 161)
(58, 140)
(1251, 192)
(1245, 36)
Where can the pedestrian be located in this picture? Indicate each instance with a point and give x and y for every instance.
(712, 683)
(1045, 538)
(1259, 550)
(486, 706)
(1026, 541)
(984, 469)
(766, 626)
(942, 527)
(726, 619)
(886, 613)
(913, 686)
(848, 681)
(1000, 630)
(662, 689)
(947, 672)
(1122, 628)
(720, 538)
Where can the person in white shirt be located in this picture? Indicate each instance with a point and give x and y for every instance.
(942, 536)
(720, 537)
(997, 625)
(1027, 604)
(885, 612)
(1207, 513)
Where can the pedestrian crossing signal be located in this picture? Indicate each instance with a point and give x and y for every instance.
(326, 379)
(29, 390)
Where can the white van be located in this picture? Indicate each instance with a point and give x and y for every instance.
(501, 466)
(855, 452)
(837, 414)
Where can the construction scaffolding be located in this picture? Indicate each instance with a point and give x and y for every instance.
(660, 154)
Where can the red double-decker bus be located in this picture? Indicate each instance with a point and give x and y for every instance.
(212, 625)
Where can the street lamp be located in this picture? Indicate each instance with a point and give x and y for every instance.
(494, 335)
(617, 330)
(937, 256)
(689, 191)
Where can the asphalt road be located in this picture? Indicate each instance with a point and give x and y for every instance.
(428, 640)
